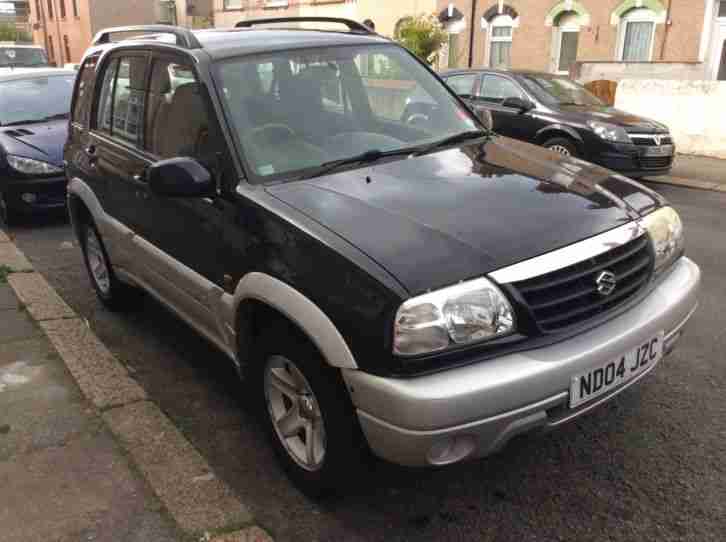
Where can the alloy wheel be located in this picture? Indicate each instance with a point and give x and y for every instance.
(97, 262)
(560, 149)
(295, 413)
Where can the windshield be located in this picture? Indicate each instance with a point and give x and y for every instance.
(35, 99)
(560, 91)
(296, 110)
(22, 57)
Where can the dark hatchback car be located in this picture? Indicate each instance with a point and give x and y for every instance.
(425, 291)
(555, 112)
(34, 110)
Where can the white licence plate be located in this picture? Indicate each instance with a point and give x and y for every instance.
(608, 376)
(663, 150)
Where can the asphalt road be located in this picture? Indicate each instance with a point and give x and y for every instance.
(648, 466)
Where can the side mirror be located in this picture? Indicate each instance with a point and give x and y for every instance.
(519, 104)
(486, 118)
(180, 178)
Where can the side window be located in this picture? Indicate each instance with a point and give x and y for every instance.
(103, 118)
(129, 100)
(177, 120)
(84, 92)
(496, 89)
(462, 84)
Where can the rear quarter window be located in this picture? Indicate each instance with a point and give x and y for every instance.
(84, 92)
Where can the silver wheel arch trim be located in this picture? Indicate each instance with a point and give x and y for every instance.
(299, 310)
(81, 190)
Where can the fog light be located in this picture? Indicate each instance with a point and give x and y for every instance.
(451, 449)
(28, 197)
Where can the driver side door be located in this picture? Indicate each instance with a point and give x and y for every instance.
(494, 90)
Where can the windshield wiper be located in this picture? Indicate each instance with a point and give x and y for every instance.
(452, 140)
(57, 116)
(373, 155)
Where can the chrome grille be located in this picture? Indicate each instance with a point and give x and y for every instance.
(569, 296)
(647, 140)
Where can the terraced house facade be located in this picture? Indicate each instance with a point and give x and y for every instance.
(650, 38)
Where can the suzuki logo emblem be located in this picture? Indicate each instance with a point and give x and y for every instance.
(606, 283)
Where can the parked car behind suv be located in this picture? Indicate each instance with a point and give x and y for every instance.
(559, 114)
(34, 110)
(427, 291)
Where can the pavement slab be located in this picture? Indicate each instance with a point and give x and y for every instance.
(83, 490)
(101, 377)
(39, 298)
(16, 326)
(12, 258)
(196, 498)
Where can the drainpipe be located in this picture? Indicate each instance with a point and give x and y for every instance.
(41, 20)
(471, 34)
(61, 43)
(667, 30)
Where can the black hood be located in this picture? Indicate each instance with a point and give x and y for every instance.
(39, 141)
(457, 214)
(581, 114)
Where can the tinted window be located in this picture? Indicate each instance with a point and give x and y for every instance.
(497, 89)
(177, 122)
(462, 84)
(129, 100)
(22, 56)
(103, 119)
(35, 99)
(84, 92)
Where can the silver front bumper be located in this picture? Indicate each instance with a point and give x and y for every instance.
(475, 410)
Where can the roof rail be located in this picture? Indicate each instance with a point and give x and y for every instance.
(184, 37)
(353, 26)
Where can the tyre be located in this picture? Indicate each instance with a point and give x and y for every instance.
(114, 294)
(307, 413)
(7, 215)
(562, 145)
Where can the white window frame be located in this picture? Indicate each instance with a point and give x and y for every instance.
(558, 30)
(637, 15)
(498, 22)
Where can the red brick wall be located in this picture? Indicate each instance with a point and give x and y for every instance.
(532, 40)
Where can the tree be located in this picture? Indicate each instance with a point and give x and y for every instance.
(9, 32)
(423, 35)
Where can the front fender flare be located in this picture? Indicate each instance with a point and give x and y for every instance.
(301, 311)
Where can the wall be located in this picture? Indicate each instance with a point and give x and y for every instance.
(693, 110)
(77, 29)
(384, 13)
(107, 13)
(585, 72)
(533, 39)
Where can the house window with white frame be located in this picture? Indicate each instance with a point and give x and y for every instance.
(566, 41)
(637, 35)
(501, 30)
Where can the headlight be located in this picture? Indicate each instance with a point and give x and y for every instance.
(609, 132)
(32, 167)
(666, 231)
(467, 313)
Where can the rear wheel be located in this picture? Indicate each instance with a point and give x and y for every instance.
(113, 293)
(307, 413)
(561, 145)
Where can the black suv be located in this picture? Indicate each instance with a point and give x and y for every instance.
(425, 290)
(561, 115)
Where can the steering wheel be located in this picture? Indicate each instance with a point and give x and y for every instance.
(282, 131)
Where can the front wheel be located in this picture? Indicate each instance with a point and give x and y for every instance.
(562, 146)
(308, 415)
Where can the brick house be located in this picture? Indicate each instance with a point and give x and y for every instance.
(677, 39)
